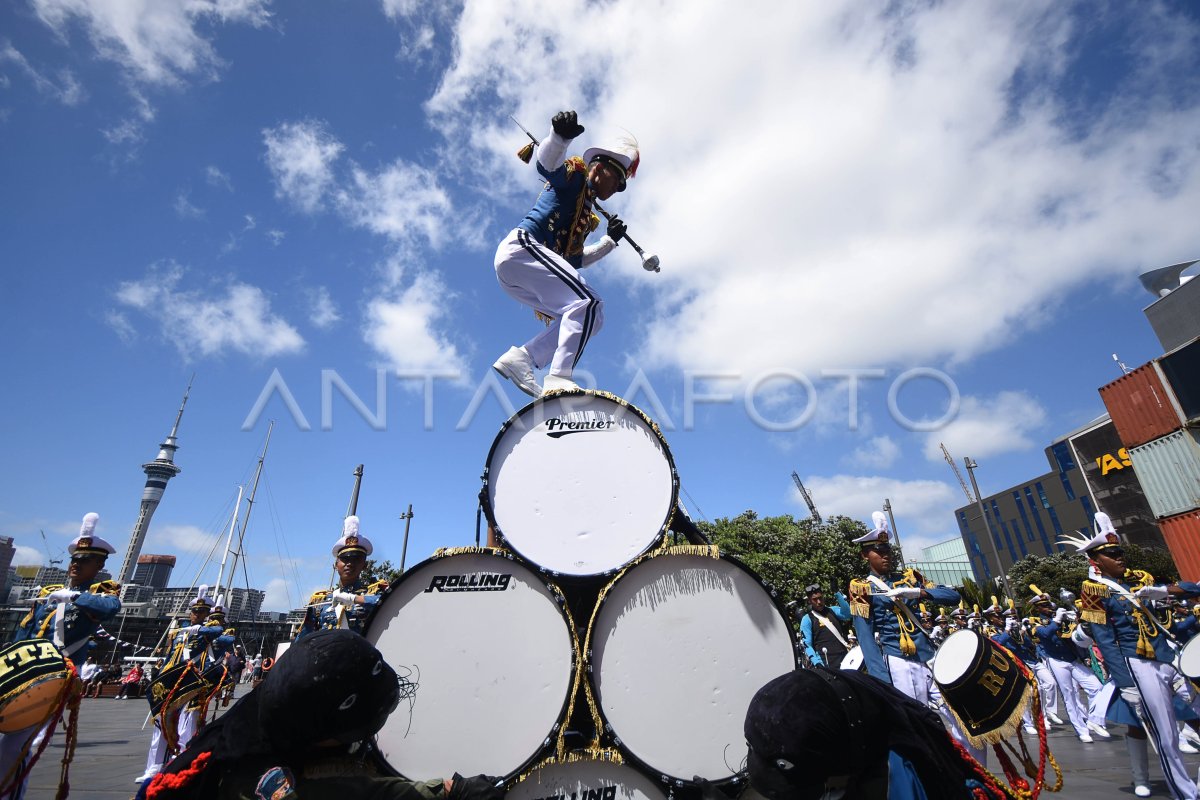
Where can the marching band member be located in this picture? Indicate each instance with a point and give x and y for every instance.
(1047, 685)
(1008, 634)
(211, 664)
(181, 644)
(1052, 635)
(67, 616)
(1137, 653)
(823, 628)
(941, 628)
(880, 607)
(351, 603)
(538, 263)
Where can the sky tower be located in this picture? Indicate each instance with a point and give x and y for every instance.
(158, 472)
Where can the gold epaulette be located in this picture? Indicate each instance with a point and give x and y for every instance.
(106, 587)
(1092, 598)
(575, 163)
(49, 590)
(1139, 578)
(860, 598)
(319, 596)
(378, 587)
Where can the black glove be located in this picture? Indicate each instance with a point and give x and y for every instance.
(566, 124)
(480, 787)
(616, 229)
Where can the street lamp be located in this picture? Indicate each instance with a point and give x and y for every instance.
(971, 465)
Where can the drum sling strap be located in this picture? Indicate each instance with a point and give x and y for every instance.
(827, 625)
(1146, 621)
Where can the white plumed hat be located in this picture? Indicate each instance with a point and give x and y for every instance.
(879, 533)
(351, 540)
(87, 542)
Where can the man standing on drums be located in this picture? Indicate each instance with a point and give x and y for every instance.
(823, 628)
(68, 616)
(880, 605)
(1137, 652)
(538, 263)
(182, 645)
(351, 603)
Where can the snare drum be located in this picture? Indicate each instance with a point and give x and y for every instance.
(678, 646)
(584, 778)
(1187, 661)
(983, 685)
(490, 659)
(33, 684)
(581, 483)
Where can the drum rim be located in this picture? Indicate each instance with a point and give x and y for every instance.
(1179, 659)
(592, 674)
(604, 755)
(486, 497)
(560, 599)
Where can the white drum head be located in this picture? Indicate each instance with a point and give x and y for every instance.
(490, 652)
(956, 655)
(679, 646)
(580, 484)
(853, 659)
(603, 780)
(1189, 658)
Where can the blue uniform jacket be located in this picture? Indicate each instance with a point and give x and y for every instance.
(324, 616)
(1184, 629)
(883, 621)
(1114, 628)
(82, 617)
(561, 217)
(841, 610)
(1020, 644)
(1050, 644)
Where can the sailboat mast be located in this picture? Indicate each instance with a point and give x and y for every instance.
(250, 500)
(229, 541)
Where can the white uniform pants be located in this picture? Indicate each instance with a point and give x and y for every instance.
(157, 754)
(1047, 687)
(12, 751)
(1098, 703)
(187, 726)
(1151, 700)
(1071, 676)
(910, 677)
(538, 277)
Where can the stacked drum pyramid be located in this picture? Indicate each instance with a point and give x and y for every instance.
(583, 657)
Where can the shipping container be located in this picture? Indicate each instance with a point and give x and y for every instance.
(1141, 406)
(1182, 533)
(1180, 370)
(1168, 469)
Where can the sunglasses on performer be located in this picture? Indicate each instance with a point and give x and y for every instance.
(1112, 552)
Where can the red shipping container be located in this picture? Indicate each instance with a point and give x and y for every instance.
(1182, 533)
(1141, 406)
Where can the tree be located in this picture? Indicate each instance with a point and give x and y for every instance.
(790, 554)
(379, 570)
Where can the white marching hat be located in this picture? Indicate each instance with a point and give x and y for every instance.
(1105, 535)
(87, 542)
(201, 600)
(622, 151)
(879, 533)
(352, 541)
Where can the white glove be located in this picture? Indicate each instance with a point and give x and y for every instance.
(1060, 615)
(344, 598)
(1152, 593)
(904, 592)
(1011, 625)
(63, 596)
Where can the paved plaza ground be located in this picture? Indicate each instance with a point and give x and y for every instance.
(112, 752)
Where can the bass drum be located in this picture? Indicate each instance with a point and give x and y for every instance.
(487, 662)
(1188, 659)
(581, 483)
(35, 684)
(586, 778)
(853, 660)
(678, 645)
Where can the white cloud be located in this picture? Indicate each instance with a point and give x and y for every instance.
(323, 312)
(986, 427)
(231, 316)
(275, 236)
(215, 177)
(184, 209)
(66, 89)
(278, 597)
(153, 41)
(401, 326)
(28, 557)
(176, 539)
(300, 156)
(924, 509)
(883, 188)
(878, 452)
(121, 325)
(401, 201)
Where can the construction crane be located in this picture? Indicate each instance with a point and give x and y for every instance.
(957, 474)
(812, 507)
(54, 562)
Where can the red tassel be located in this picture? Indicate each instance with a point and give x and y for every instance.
(169, 782)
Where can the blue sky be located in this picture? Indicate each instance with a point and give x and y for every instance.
(235, 187)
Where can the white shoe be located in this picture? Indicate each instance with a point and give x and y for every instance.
(1141, 790)
(1190, 734)
(149, 774)
(1186, 747)
(1032, 731)
(1054, 718)
(1086, 738)
(1099, 730)
(517, 366)
(557, 383)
